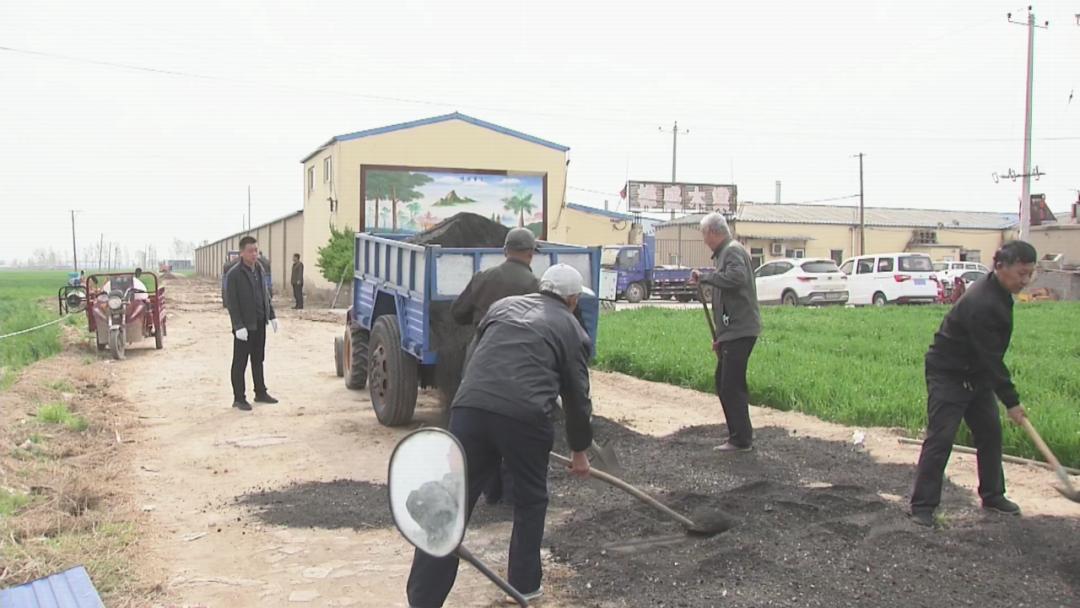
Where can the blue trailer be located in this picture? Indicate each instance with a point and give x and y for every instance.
(388, 345)
(639, 278)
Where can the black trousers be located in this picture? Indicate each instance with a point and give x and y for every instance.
(255, 349)
(523, 448)
(298, 295)
(731, 363)
(951, 400)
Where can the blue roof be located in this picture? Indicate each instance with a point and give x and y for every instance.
(69, 589)
(615, 215)
(437, 119)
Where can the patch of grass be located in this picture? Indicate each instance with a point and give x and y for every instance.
(61, 386)
(10, 502)
(27, 299)
(859, 366)
(58, 413)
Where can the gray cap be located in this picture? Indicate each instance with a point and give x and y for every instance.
(520, 239)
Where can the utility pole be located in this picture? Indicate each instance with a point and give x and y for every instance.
(101, 246)
(249, 210)
(1025, 188)
(674, 146)
(862, 214)
(74, 253)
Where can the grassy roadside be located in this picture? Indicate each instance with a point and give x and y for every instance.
(24, 301)
(859, 366)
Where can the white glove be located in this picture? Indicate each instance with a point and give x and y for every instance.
(241, 334)
(273, 323)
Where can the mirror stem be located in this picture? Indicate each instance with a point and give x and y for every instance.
(464, 554)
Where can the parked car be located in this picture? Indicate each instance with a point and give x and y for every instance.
(805, 281)
(891, 278)
(948, 271)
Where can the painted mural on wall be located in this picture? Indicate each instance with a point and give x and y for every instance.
(411, 200)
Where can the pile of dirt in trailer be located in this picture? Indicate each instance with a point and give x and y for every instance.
(449, 338)
(817, 525)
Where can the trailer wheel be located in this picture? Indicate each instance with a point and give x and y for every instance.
(684, 298)
(355, 353)
(393, 374)
(635, 292)
(159, 334)
(116, 342)
(339, 356)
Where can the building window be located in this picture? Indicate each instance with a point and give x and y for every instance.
(757, 256)
(796, 253)
(837, 255)
(328, 169)
(311, 179)
(925, 237)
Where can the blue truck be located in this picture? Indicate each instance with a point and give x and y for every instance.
(388, 345)
(639, 278)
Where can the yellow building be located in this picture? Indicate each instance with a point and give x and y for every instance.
(333, 174)
(771, 231)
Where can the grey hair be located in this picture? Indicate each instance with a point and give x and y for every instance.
(715, 223)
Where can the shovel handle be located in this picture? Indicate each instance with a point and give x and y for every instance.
(1045, 449)
(708, 314)
(629, 489)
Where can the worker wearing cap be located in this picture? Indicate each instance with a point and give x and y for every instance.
(965, 369)
(514, 277)
(530, 349)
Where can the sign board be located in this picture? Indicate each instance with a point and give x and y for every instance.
(408, 200)
(680, 197)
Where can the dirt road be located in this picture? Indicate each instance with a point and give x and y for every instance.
(285, 506)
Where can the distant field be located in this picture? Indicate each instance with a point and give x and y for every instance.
(27, 299)
(859, 366)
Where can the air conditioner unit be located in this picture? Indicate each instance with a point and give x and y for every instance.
(777, 249)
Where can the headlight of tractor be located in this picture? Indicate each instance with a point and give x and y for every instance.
(115, 302)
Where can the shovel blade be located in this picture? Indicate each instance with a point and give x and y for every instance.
(605, 459)
(1069, 492)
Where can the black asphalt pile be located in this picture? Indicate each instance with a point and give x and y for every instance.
(463, 230)
(449, 338)
(341, 503)
(812, 528)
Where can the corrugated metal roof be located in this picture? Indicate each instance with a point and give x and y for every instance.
(437, 119)
(68, 589)
(772, 213)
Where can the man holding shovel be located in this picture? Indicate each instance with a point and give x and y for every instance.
(736, 323)
(965, 369)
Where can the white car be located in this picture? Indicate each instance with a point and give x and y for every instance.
(948, 271)
(891, 278)
(805, 281)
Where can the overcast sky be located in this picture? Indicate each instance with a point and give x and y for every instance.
(932, 92)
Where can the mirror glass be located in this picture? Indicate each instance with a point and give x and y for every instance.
(428, 490)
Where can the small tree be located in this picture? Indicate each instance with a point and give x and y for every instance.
(336, 257)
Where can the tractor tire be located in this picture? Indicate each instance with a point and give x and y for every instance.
(636, 292)
(339, 356)
(355, 353)
(790, 299)
(393, 374)
(117, 344)
(684, 298)
(880, 299)
(159, 336)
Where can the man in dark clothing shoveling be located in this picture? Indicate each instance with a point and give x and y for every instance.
(529, 350)
(514, 277)
(738, 324)
(965, 369)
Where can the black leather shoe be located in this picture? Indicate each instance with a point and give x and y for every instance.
(241, 404)
(923, 518)
(265, 398)
(1001, 504)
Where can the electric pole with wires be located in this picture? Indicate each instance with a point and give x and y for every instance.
(1025, 188)
(862, 213)
(674, 146)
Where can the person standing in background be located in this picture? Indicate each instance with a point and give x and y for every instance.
(297, 281)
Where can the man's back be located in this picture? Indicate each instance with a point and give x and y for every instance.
(511, 278)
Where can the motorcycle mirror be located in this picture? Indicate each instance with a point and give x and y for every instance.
(428, 490)
(428, 484)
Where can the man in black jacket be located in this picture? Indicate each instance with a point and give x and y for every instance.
(530, 350)
(297, 281)
(250, 311)
(514, 277)
(965, 369)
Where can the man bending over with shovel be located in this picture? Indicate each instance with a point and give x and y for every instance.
(965, 368)
(736, 324)
(529, 350)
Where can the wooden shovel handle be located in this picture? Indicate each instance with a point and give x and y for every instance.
(629, 489)
(1039, 443)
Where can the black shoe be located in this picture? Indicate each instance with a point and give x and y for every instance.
(923, 518)
(1001, 504)
(242, 404)
(265, 398)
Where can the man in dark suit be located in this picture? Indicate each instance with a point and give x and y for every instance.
(250, 311)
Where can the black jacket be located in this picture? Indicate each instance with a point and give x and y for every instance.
(240, 298)
(973, 338)
(530, 349)
(297, 277)
(511, 278)
(734, 293)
